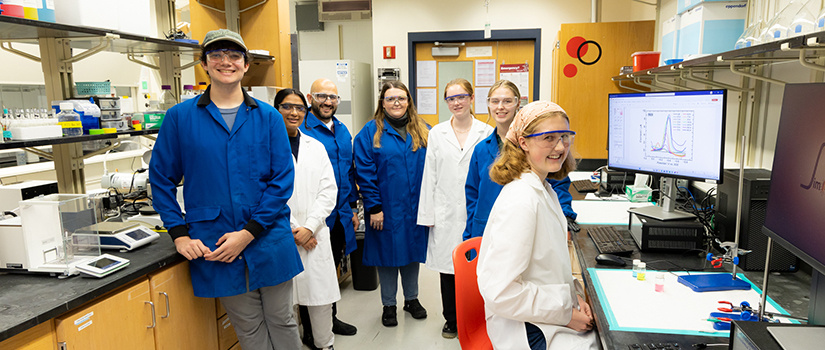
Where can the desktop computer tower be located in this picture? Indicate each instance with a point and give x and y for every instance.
(754, 205)
(614, 182)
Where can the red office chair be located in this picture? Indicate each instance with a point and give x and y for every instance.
(469, 306)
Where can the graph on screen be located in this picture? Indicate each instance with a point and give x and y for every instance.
(669, 135)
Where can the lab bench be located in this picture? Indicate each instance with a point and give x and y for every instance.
(130, 307)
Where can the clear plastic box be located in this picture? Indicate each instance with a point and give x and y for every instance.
(49, 223)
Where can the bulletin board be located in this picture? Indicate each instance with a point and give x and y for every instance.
(479, 61)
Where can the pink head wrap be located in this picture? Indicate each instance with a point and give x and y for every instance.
(527, 114)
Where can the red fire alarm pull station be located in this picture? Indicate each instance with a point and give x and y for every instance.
(389, 52)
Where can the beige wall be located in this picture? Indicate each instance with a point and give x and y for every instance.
(392, 20)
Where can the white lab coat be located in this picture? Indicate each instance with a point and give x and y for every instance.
(524, 272)
(313, 198)
(442, 201)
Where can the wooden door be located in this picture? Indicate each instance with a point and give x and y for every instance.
(588, 56)
(40, 337)
(184, 320)
(119, 321)
(503, 52)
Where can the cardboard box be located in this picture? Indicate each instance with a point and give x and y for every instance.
(711, 28)
(683, 6)
(670, 38)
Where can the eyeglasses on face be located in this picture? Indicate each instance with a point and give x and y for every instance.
(394, 99)
(506, 102)
(550, 139)
(321, 98)
(458, 98)
(286, 107)
(218, 55)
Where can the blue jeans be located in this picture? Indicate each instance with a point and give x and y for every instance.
(388, 276)
(535, 337)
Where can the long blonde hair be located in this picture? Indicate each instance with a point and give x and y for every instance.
(464, 84)
(512, 161)
(415, 125)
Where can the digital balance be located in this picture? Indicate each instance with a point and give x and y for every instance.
(117, 235)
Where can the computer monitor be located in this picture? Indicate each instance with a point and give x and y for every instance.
(674, 134)
(795, 215)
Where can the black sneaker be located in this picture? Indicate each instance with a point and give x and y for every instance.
(342, 328)
(449, 331)
(309, 341)
(388, 317)
(415, 309)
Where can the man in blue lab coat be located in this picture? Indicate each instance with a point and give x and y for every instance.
(234, 153)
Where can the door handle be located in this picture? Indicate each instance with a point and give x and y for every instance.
(154, 322)
(167, 304)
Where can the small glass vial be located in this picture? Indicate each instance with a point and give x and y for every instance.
(660, 282)
(640, 274)
(636, 267)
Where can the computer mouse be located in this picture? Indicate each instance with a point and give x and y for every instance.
(610, 259)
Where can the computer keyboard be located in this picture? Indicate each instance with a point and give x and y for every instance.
(655, 346)
(609, 241)
(583, 186)
(572, 225)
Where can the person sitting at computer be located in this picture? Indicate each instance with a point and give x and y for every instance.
(480, 191)
(524, 274)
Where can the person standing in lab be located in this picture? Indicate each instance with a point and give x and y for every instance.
(480, 191)
(441, 206)
(234, 153)
(531, 299)
(312, 200)
(389, 163)
(322, 125)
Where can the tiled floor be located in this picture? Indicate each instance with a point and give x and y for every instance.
(363, 309)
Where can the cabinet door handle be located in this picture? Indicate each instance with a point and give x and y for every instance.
(154, 322)
(167, 304)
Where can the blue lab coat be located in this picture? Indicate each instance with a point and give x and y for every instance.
(390, 177)
(234, 179)
(339, 150)
(482, 192)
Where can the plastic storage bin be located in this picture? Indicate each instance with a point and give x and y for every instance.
(645, 60)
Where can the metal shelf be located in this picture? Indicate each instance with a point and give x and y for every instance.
(72, 139)
(803, 48)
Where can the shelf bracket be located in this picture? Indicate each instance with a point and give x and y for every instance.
(673, 86)
(189, 65)
(637, 81)
(690, 77)
(754, 76)
(805, 63)
(18, 52)
(38, 152)
(131, 57)
(629, 88)
(253, 6)
(105, 42)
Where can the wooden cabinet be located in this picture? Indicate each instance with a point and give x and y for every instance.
(158, 312)
(40, 337)
(184, 321)
(123, 320)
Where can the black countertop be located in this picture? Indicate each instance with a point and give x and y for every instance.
(28, 300)
(787, 289)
